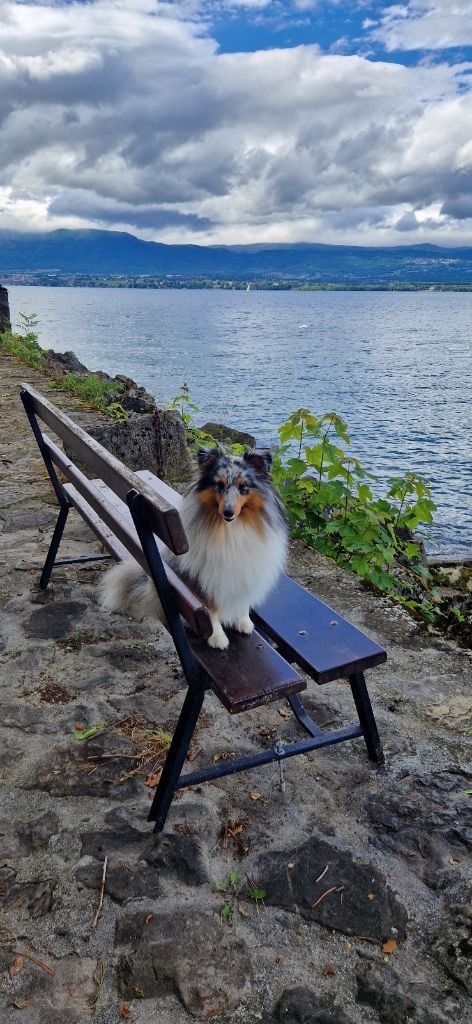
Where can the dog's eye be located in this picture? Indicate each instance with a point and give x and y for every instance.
(243, 489)
(219, 486)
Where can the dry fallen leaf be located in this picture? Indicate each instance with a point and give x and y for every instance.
(285, 713)
(124, 1012)
(328, 970)
(153, 779)
(17, 966)
(255, 795)
(389, 946)
(370, 896)
(21, 1002)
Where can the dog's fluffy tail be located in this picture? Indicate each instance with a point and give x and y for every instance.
(126, 588)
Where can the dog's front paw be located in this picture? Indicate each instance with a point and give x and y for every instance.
(244, 625)
(218, 640)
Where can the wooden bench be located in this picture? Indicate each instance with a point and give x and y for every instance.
(136, 514)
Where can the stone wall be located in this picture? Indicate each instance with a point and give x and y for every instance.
(5, 321)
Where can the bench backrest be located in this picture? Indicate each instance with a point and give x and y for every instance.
(163, 516)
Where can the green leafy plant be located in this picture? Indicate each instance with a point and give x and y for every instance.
(331, 505)
(94, 390)
(234, 895)
(23, 344)
(198, 438)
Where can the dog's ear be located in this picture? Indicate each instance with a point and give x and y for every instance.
(207, 457)
(260, 460)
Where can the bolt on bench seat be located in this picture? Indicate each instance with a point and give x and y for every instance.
(136, 515)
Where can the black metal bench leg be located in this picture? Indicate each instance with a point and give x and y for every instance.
(174, 762)
(366, 717)
(53, 547)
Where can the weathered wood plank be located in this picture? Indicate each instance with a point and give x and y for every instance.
(163, 516)
(323, 643)
(248, 674)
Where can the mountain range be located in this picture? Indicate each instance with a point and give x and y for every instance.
(118, 254)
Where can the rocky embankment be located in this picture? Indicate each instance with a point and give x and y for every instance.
(344, 900)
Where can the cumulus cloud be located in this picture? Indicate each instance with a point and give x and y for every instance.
(124, 113)
(426, 25)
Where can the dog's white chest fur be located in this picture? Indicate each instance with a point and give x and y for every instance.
(236, 568)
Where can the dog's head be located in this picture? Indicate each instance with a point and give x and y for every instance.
(231, 486)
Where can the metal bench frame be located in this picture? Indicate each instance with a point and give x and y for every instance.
(200, 664)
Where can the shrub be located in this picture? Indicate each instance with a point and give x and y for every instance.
(331, 505)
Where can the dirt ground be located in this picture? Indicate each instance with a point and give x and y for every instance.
(345, 899)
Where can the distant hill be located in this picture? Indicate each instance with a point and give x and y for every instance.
(113, 253)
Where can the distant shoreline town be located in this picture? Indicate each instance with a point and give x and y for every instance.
(51, 280)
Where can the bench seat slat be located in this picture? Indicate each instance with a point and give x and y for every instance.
(320, 640)
(248, 674)
(308, 631)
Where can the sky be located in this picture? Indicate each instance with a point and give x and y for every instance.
(238, 121)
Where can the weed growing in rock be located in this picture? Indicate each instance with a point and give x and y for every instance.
(235, 895)
(198, 438)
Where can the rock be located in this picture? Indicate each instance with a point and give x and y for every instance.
(228, 435)
(427, 820)
(130, 928)
(351, 897)
(30, 899)
(5, 320)
(33, 519)
(122, 839)
(302, 1006)
(66, 362)
(35, 835)
(61, 772)
(452, 945)
(176, 857)
(398, 999)
(179, 857)
(55, 620)
(455, 712)
(123, 882)
(134, 399)
(179, 952)
(155, 441)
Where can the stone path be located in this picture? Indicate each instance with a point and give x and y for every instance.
(343, 900)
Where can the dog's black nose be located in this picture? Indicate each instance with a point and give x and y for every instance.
(229, 516)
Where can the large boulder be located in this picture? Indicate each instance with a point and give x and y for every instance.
(155, 441)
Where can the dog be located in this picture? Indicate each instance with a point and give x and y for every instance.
(237, 535)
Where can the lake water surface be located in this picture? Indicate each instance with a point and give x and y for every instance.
(397, 366)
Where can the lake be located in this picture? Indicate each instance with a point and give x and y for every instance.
(396, 365)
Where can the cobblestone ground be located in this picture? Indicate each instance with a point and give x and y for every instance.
(365, 915)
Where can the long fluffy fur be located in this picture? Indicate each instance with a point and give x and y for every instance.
(237, 537)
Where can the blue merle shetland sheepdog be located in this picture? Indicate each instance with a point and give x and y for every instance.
(237, 536)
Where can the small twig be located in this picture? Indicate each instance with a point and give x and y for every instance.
(93, 999)
(39, 963)
(334, 888)
(322, 874)
(102, 894)
(366, 938)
